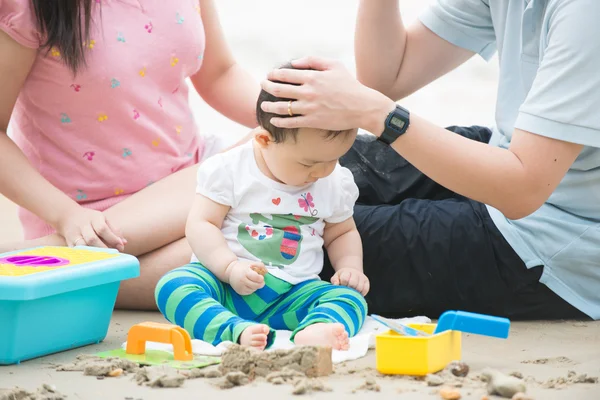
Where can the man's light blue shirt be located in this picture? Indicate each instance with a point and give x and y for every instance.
(549, 85)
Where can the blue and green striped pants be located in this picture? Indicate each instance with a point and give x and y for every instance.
(210, 310)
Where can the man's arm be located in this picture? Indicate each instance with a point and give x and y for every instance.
(398, 60)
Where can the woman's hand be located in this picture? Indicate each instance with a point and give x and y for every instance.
(326, 96)
(85, 227)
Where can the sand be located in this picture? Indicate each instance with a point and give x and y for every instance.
(546, 351)
(308, 360)
(563, 347)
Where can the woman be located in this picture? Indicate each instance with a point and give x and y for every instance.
(503, 221)
(105, 147)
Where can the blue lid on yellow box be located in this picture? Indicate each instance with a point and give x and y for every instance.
(45, 271)
(477, 324)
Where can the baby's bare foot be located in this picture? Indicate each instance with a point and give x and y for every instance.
(323, 334)
(255, 336)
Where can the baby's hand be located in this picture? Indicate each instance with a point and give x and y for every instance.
(243, 277)
(352, 278)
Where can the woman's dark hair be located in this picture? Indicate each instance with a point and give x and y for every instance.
(65, 24)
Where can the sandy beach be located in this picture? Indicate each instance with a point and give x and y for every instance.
(263, 34)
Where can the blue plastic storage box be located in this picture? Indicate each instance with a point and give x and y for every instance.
(57, 298)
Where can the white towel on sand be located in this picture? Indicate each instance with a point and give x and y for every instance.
(359, 344)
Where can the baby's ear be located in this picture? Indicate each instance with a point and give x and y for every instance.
(263, 137)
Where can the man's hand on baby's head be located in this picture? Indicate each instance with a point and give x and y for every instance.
(352, 278)
(244, 278)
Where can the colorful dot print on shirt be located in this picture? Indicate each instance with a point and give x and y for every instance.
(123, 110)
(64, 118)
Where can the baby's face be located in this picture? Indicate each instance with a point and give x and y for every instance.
(308, 158)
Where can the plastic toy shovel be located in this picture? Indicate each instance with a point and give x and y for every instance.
(477, 324)
(398, 327)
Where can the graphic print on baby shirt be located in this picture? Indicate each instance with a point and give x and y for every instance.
(275, 241)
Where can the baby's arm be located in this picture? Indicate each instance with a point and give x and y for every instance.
(203, 231)
(344, 249)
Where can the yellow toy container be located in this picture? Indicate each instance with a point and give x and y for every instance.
(408, 355)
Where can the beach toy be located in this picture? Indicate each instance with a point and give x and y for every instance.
(398, 327)
(58, 298)
(181, 356)
(478, 324)
(402, 351)
(397, 354)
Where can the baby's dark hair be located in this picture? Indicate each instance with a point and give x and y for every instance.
(264, 118)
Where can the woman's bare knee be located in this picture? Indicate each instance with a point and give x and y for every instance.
(138, 293)
(155, 216)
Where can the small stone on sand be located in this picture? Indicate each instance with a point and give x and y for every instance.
(449, 394)
(459, 369)
(516, 374)
(503, 385)
(115, 372)
(434, 380)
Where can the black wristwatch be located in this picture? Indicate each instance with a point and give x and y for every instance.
(396, 124)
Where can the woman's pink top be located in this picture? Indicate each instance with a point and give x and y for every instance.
(123, 122)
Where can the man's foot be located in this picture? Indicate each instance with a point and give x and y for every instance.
(255, 336)
(324, 334)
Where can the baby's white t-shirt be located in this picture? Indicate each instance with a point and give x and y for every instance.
(280, 225)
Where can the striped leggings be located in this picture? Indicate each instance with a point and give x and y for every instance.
(210, 310)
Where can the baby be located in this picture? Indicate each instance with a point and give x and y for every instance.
(262, 215)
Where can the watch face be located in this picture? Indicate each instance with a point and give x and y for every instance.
(397, 122)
